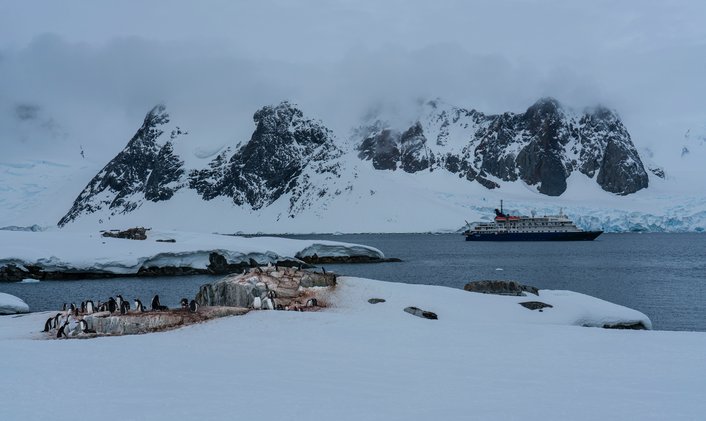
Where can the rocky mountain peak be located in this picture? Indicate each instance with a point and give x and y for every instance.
(541, 147)
(143, 167)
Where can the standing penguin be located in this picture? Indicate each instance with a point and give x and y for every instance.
(55, 322)
(62, 329)
(124, 307)
(83, 307)
(184, 303)
(156, 305)
(48, 325)
(138, 306)
(193, 306)
(90, 308)
(84, 327)
(119, 301)
(112, 305)
(257, 303)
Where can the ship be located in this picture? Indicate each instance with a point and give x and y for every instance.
(507, 227)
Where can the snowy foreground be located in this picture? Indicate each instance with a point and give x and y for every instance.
(93, 253)
(485, 358)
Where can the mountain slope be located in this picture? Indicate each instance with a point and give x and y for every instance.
(541, 147)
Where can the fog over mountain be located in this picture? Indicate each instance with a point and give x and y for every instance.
(75, 78)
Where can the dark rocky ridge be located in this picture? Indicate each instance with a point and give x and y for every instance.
(141, 169)
(541, 147)
(274, 162)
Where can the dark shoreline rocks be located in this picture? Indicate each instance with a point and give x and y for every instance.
(316, 260)
(500, 288)
(218, 265)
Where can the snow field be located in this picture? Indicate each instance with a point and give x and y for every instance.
(485, 358)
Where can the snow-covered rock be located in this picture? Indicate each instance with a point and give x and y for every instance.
(61, 251)
(9, 304)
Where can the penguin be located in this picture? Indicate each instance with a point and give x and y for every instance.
(62, 330)
(90, 308)
(84, 327)
(56, 320)
(279, 307)
(257, 303)
(119, 301)
(63, 308)
(184, 303)
(112, 305)
(83, 306)
(72, 307)
(138, 306)
(124, 307)
(312, 302)
(193, 306)
(156, 305)
(48, 325)
(268, 304)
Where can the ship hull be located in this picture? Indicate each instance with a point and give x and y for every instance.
(534, 236)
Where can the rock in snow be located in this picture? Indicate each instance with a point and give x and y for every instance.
(9, 304)
(45, 254)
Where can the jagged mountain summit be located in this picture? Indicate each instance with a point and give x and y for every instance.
(294, 167)
(145, 169)
(287, 154)
(541, 147)
(274, 162)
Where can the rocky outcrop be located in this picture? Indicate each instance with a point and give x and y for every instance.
(278, 288)
(541, 147)
(535, 305)
(421, 313)
(500, 288)
(137, 233)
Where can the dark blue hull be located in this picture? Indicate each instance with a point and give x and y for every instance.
(535, 236)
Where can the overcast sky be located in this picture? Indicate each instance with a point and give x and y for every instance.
(93, 65)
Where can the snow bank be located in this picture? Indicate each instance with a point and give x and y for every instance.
(568, 307)
(74, 251)
(9, 304)
(486, 357)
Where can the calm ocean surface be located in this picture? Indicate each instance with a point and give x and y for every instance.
(662, 275)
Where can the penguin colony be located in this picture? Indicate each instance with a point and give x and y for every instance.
(69, 321)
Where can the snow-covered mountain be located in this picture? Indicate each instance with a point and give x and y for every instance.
(446, 165)
(541, 147)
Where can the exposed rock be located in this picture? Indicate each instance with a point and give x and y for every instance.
(151, 321)
(318, 260)
(421, 313)
(542, 146)
(629, 326)
(500, 288)
(284, 148)
(138, 233)
(535, 305)
(376, 300)
(289, 288)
